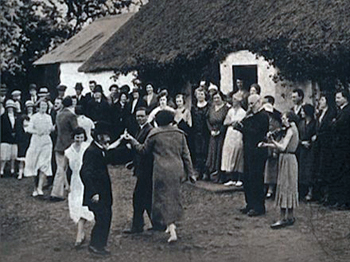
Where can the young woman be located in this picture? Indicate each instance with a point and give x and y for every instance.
(163, 105)
(287, 181)
(78, 213)
(8, 136)
(183, 117)
(232, 150)
(200, 134)
(38, 156)
(307, 129)
(23, 138)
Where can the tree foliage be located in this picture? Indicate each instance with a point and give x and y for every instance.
(30, 28)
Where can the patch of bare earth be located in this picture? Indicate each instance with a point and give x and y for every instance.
(212, 229)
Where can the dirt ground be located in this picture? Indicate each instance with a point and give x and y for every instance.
(212, 229)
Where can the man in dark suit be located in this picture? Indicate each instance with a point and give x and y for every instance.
(142, 197)
(98, 109)
(254, 128)
(66, 122)
(339, 189)
(135, 103)
(97, 188)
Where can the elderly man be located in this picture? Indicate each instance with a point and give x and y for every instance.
(339, 188)
(254, 128)
(66, 122)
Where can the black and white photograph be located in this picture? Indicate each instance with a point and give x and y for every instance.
(175, 130)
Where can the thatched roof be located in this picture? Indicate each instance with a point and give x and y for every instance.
(163, 32)
(81, 46)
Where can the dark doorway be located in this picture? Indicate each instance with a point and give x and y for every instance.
(248, 73)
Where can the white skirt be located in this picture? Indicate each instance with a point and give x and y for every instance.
(8, 151)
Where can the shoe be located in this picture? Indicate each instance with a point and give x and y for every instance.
(133, 231)
(78, 244)
(290, 221)
(253, 213)
(308, 197)
(279, 224)
(98, 251)
(20, 176)
(244, 210)
(205, 177)
(35, 193)
(56, 199)
(230, 183)
(40, 192)
(157, 228)
(268, 195)
(239, 184)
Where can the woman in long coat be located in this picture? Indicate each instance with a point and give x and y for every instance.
(307, 129)
(171, 165)
(199, 138)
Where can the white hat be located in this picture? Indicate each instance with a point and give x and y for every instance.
(16, 93)
(29, 103)
(202, 83)
(212, 86)
(10, 103)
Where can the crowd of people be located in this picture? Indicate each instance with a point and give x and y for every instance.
(237, 140)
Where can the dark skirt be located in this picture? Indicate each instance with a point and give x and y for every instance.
(215, 153)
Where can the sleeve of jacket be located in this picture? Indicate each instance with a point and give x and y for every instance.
(87, 172)
(186, 158)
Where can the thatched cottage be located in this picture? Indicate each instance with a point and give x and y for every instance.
(62, 63)
(279, 44)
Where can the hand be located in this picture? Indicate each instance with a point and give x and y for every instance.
(314, 137)
(128, 146)
(95, 198)
(306, 144)
(262, 144)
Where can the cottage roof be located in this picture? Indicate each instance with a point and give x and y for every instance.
(163, 32)
(82, 45)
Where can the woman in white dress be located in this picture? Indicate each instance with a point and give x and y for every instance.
(78, 213)
(232, 151)
(38, 155)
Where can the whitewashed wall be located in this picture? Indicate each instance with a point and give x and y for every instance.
(69, 75)
(281, 91)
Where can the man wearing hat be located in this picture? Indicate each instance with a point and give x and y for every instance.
(61, 89)
(98, 108)
(97, 187)
(8, 136)
(113, 95)
(33, 96)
